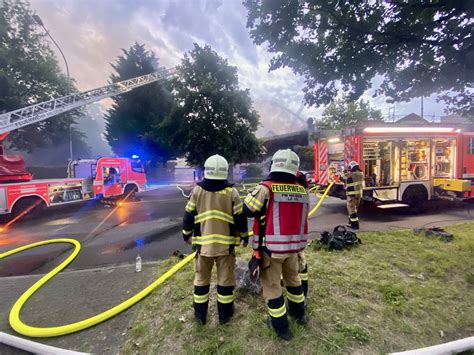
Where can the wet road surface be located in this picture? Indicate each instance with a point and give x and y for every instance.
(151, 227)
(109, 235)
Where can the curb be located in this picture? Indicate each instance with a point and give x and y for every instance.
(86, 270)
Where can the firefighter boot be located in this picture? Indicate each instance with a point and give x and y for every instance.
(201, 302)
(225, 303)
(278, 319)
(354, 221)
(304, 283)
(296, 306)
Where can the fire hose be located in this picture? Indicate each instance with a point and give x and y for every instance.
(19, 326)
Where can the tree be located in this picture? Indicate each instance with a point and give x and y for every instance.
(342, 113)
(213, 115)
(29, 73)
(306, 155)
(418, 47)
(133, 122)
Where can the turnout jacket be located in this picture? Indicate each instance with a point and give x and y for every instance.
(214, 218)
(281, 208)
(354, 183)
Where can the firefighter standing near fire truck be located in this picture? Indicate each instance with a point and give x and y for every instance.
(354, 182)
(280, 207)
(214, 221)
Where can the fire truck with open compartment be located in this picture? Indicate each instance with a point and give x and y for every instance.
(102, 178)
(404, 165)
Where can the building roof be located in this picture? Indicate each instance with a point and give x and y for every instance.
(453, 119)
(412, 118)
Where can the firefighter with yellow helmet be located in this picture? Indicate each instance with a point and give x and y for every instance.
(280, 206)
(214, 222)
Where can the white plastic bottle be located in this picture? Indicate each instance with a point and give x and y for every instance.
(138, 264)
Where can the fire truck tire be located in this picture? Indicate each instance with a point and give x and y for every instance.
(130, 191)
(23, 204)
(416, 197)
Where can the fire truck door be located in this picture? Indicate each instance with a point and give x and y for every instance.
(112, 175)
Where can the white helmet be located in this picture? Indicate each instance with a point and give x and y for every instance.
(216, 168)
(352, 165)
(285, 161)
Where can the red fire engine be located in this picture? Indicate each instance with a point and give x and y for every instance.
(404, 164)
(103, 178)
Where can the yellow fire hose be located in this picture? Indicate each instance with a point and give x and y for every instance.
(38, 332)
(27, 330)
(321, 200)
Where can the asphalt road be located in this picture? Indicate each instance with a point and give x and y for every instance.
(151, 227)
(109, 235)
(438, 213)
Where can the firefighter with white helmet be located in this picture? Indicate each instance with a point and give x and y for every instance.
(214, 222)
(280, 206)
(354, 181)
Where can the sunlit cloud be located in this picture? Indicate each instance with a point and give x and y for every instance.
(92, 34)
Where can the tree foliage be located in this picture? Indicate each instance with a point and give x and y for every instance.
(306, 155)
(213, 115)
(417, 47)
(134, 121)
(342, 113)
(29, 73)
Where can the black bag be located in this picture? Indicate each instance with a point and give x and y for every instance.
(340, 238)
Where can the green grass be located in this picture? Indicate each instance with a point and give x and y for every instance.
(396, 291)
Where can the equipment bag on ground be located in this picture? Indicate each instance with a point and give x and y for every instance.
(340, 238)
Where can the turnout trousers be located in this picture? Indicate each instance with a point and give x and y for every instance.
(225, 285)
(284, 265)
(353, 204)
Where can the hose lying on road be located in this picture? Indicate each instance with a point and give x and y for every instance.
(27, 330)
(37, 332)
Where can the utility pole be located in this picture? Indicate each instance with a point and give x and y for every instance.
(422, 107)
(68, 88)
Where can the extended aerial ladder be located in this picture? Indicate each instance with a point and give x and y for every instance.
(32, 114)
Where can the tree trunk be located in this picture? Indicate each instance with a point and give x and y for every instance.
(231, 172)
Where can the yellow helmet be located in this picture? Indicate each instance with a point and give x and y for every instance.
(285, 161)
(216, 168)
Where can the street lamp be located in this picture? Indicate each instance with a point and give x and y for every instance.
(41, 24)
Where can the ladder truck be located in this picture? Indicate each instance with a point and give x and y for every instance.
(102, 178)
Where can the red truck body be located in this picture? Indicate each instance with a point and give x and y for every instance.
(401, 163)
(103, 178)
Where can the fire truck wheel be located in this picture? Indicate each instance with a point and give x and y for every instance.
(34, 205)
(130, 191)
(416, 197)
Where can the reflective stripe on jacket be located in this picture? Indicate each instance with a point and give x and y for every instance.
(214, 219)
(286, 218)
(354, 184)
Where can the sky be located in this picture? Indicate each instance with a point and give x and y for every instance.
(92, 33)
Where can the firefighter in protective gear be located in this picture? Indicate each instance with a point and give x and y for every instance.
(354, 181)
(280, 206)
(215, 223)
